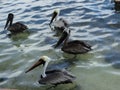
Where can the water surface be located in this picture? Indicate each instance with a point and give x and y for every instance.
(96, 22)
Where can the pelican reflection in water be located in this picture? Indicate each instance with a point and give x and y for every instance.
(14, 27)
(53, 77)
(72, 47)
(60, 24)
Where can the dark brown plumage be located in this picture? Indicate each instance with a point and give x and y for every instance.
(74, 46)
(14, 27)
(56, 77)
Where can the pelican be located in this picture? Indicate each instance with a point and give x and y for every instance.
(72, 47)
(14, 27)
(59, 25)
(53, 77)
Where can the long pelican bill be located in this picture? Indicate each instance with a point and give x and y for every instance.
(6, 24)
(39, 62)
(55, 13)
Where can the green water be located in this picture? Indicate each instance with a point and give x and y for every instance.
(93, 21)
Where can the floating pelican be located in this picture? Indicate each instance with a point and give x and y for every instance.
(59, 25)
(14, 27)
(53, 77)
(74, 46)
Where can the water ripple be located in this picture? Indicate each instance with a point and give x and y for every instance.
(93, 21)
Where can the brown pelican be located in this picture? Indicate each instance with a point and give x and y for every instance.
(59, 25)
(53, 77)
(14, 27)
(74, 46)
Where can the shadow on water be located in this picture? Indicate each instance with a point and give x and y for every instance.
(81, 57)
(15, 36)
(113, 58)
(3, 32)
(19, 36)
(72, 86)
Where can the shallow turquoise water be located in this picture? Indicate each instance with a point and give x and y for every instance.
(93, 21)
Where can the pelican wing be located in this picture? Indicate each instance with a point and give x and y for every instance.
(76, 47)
(17, 27)
(57, 77)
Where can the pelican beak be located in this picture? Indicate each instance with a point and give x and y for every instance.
(9, 20)
(62, 38)
(53, 16)
(39, 62)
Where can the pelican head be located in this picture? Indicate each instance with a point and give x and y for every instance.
(42, 60)
(9, 20)
(54, 16)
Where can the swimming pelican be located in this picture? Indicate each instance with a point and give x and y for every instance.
(74, 46)
(53, 77)
(59, 25)
(14, 27)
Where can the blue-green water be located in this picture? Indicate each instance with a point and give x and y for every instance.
(93, 21)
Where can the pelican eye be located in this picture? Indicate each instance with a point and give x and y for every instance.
(43, 62)
(55, 13)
